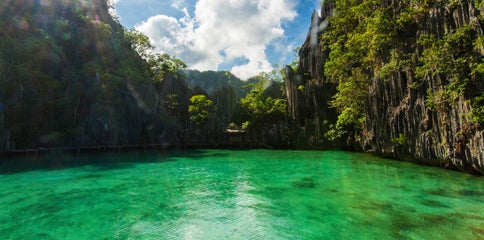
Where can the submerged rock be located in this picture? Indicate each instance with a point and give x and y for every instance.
(305, 183)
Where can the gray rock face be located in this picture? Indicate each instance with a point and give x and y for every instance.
(5, 143)
(396, 108)
(135, 115)
(307, 91)
(292, 83)
(399, 122)
(80, 88)
(448, 139)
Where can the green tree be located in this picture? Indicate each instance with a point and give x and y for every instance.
(199, 108)
(361, 39)
(368, 40)
(161, 64)
(139, 42)
(259, 107)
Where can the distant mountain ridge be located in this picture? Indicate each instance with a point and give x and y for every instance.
(211, 81)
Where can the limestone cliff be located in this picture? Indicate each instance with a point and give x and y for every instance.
(5, 143)
(416, 66)
(69, 77)
(307, 91)
(398, 106)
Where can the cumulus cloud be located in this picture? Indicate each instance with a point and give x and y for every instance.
(221, 31)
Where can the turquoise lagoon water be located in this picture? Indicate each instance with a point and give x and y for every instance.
(221, 194)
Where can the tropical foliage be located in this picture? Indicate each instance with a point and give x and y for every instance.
(369, 40)
(260, 106)
(199, 108)
(61, 64)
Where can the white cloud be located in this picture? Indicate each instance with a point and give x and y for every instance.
(178, 4)
(221, 31)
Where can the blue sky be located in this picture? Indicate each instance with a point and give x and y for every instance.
(242, 36)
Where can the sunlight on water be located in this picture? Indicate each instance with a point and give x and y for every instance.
(215, 194)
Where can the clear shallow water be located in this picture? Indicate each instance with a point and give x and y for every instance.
(219, 194)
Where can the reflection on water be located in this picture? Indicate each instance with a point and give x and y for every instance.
(218, 194)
